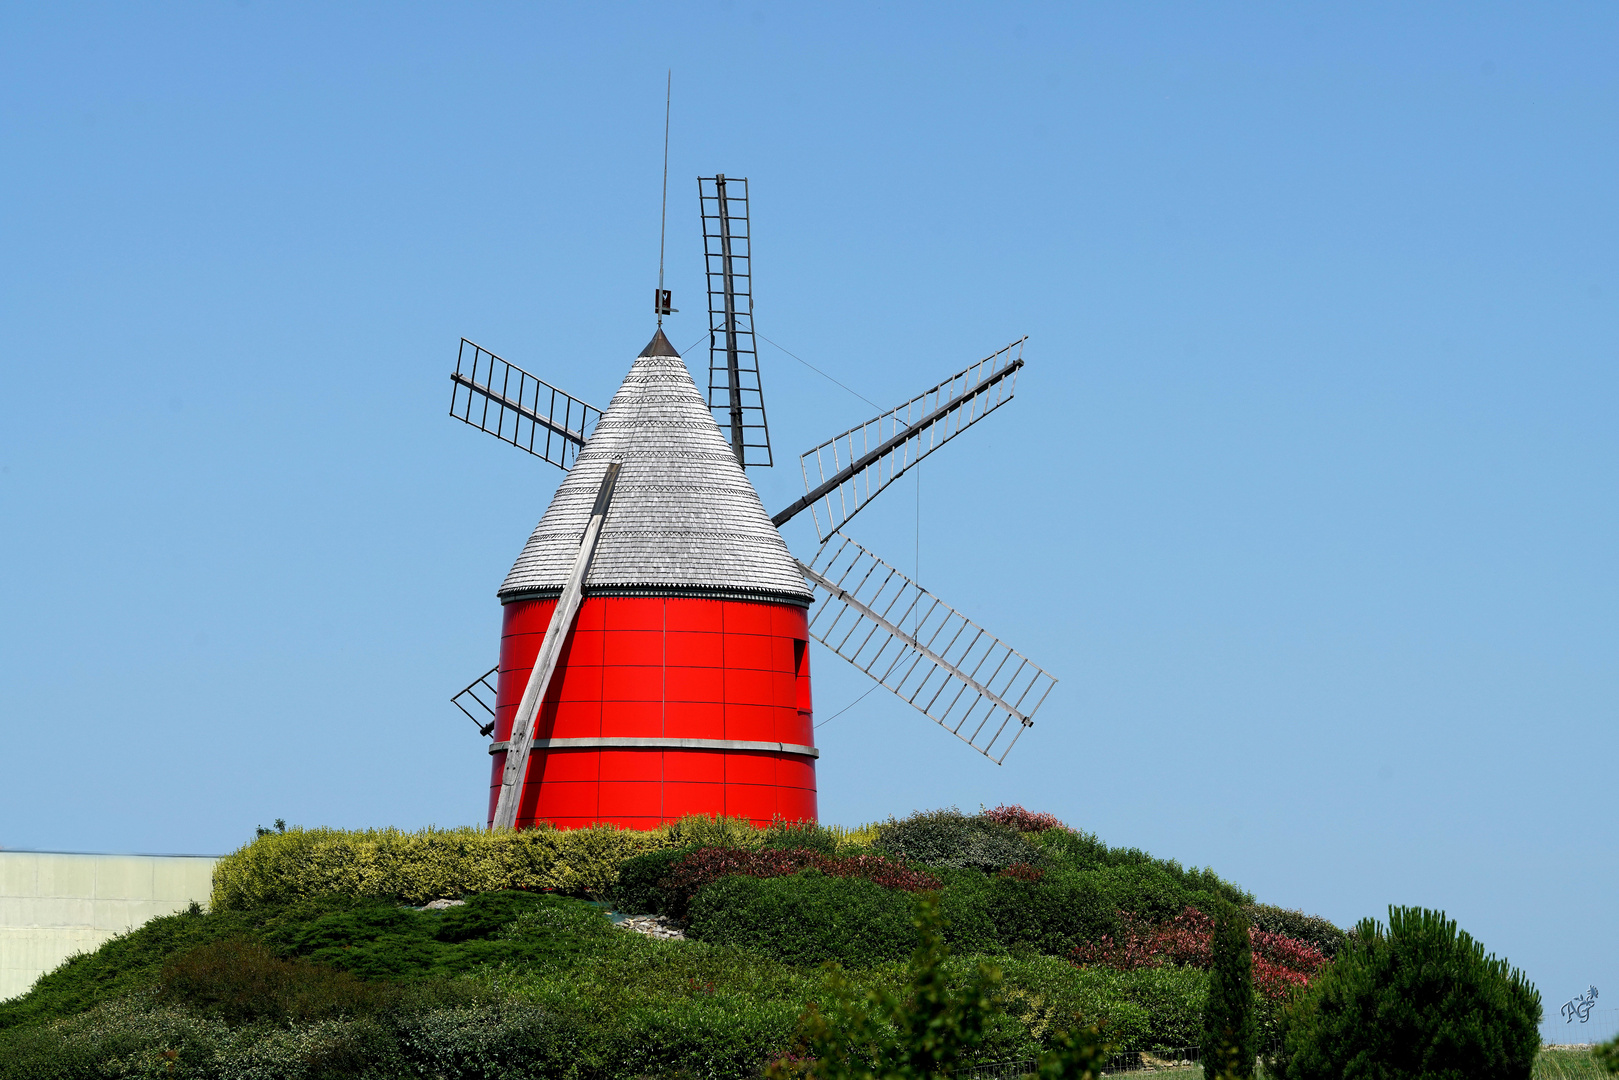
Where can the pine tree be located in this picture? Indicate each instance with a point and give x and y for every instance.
(1230, 1032)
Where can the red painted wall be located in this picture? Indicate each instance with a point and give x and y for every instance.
(665, 667)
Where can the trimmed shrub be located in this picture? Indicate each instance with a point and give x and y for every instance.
(808, 918)
(949, 838)
(1313, 930)
(708, 865)
(1230, 1032)
(989, 913)
(1024, 821)
(413, 868)
(1419, 999)
(639, 888)
(791, 835)
(242, 982)
(1083, 851)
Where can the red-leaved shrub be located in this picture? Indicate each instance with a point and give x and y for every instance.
(1022, 820)
(1280, 963)
(1022, 871)
(707, 865)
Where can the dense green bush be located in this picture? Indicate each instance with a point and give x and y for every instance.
(243, 982)
(1419, 999)
(640, 881)
(807, 918)
(949, 838)
(1083, 851)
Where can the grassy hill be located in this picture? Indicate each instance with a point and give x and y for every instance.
(316, 960)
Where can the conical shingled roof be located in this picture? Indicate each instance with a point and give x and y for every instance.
(684, 520)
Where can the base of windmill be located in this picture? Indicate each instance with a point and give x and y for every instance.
(664, 706)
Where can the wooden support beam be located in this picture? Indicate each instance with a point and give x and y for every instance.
(545, 664)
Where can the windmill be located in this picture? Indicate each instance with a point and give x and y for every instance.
(654, 655)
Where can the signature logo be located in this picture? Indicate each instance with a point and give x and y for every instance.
(1580, 1006)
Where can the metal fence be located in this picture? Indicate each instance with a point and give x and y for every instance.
(1184, 1059)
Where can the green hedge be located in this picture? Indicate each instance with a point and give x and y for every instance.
(415, 867)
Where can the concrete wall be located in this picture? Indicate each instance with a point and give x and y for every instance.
(54, 905)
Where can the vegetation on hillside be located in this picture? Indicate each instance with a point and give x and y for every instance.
(315, 959)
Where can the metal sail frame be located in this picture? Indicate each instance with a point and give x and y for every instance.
(735, 392)
(518, 408)
(948, 667)
(852, 468)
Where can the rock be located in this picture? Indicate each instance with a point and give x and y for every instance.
(440, 905)
(656, 926)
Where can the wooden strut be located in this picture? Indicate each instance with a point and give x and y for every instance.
(545, 664)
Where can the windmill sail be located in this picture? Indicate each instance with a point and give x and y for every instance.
(477, 700)
(958, 675)
(497, 396)
(735, 395)
(853, 467)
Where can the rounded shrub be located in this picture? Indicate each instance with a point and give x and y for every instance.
(949, 838)
(807, 918)
(1419, 999)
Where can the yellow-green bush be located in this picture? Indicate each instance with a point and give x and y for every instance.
(415, 867)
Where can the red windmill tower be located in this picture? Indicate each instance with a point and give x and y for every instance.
(654, 656)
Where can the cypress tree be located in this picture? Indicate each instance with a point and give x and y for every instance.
(1230, 1030)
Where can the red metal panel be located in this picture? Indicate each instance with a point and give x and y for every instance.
(584, 647)
(785, 689)
(795, 772)
(707, 616)
(696, 766)
(684, 648)
(756, 802)
(632, 719)
(632, 684)
(745, 618)
(750, 651)
(527, 616)
(575, 683)
(631, 799)
(787, 620)
(694, 720)
(570, 720)
(634, 612)
(749, 687)
(592, 614)
(641, 765)
(696, 684)
(756, 723)
(680, 799)
(564, 799)
(796, 804)
(564, 766)
(633, 648)
(750, 768)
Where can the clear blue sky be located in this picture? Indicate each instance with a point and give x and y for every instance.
(1307, 495)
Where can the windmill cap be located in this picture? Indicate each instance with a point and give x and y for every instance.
(659, 346)
(684, 519)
